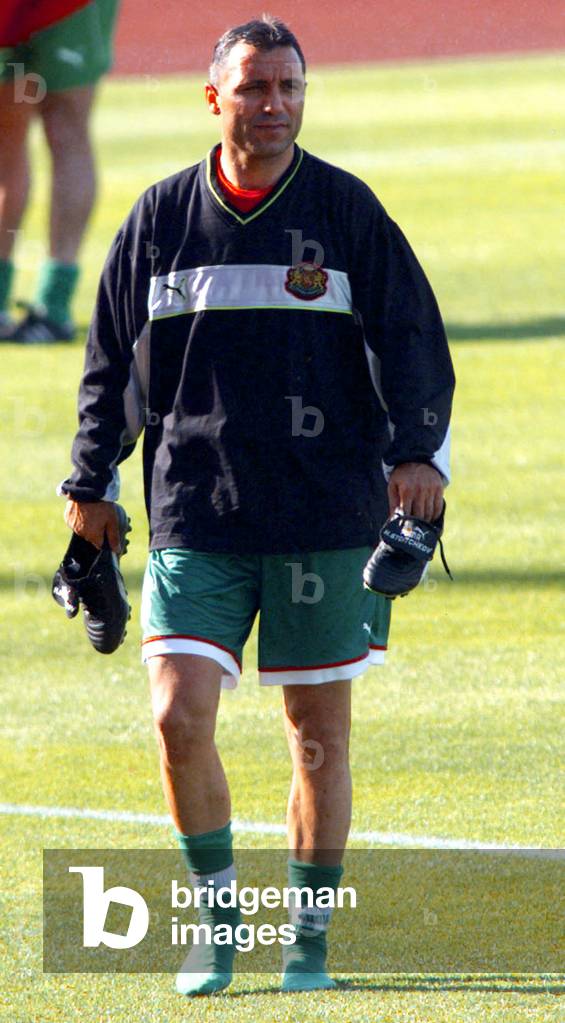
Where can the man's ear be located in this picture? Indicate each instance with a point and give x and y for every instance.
(212, 98)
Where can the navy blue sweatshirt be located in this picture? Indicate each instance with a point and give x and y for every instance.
(280, 363)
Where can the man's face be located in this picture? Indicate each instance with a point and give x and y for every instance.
(260, 96)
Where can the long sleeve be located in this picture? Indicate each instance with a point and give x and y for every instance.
(406, 347)
(112, 391)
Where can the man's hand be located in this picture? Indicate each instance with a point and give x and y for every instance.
(93, 520)
(417, 488)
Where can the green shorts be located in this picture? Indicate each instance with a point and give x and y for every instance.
(317, 623)
(73, 52)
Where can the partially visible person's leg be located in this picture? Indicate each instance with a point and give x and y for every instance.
(66, 120)
(70, 56)
(65, 112)
(185, 691)
(197, 612)
(15, 118)
(319, 628)
(317, 723)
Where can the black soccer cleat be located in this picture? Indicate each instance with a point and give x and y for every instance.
(406, 545)
(92, 577)
(36, 328)
(7, 326)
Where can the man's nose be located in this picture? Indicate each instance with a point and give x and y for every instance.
(273, 100)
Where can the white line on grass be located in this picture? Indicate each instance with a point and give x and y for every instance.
(392, 838)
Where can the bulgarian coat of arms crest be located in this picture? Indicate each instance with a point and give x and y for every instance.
(306, 281)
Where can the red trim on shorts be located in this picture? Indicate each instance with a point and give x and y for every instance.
(197, 639)
(316, 667)
(18, 21)
(372, 646)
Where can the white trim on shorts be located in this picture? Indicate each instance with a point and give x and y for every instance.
(343, 670)
(152, 646)
(323, 672)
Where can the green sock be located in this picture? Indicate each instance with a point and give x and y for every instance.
(209, 857)
(304, 962)
(56, 287)
(6, 278)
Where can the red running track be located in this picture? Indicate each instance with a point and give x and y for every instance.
(176, 35)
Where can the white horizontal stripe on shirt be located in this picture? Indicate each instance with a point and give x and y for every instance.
(241, 286)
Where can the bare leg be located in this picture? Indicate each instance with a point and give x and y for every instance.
(15, 119)
(185, 692)
(66, 117)
(317, 723)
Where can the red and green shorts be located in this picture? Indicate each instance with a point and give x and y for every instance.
(71, 53)
(316, 621)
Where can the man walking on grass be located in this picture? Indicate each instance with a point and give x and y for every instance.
(268, 324)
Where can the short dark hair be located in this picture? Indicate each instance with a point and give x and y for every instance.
(265, 33)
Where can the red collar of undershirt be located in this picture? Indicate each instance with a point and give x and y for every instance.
(244, 199)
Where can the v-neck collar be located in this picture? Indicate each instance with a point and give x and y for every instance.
(220, 198)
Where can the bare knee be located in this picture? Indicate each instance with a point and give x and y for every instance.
(66, 117)
(317, 749)
(181, 733)
(184, 695)
(317, 742)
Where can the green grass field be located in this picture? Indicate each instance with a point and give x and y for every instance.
(459, 736)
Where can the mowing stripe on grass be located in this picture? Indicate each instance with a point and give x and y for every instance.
(393, 838)
(493, 155)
